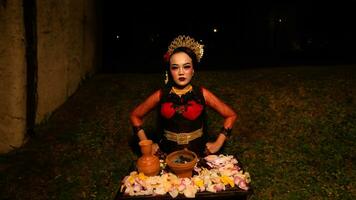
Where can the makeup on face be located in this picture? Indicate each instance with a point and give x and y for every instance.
(181, 68)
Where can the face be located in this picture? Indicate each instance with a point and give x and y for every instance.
(181, 68)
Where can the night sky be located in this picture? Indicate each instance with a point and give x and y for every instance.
(136, 35)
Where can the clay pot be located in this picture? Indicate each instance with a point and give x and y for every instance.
(182, 162)
(148, 163)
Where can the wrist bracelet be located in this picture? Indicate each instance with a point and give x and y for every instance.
(226, 131)
(136, 129)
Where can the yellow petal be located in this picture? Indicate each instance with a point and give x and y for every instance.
(198, 182)
(227, 180)
(142, 176)
(131, 180)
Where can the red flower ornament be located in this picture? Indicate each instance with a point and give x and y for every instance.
(166, 57)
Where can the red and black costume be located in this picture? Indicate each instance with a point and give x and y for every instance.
(183, 114)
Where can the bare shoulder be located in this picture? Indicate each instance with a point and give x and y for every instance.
(157, 94)
(206, 92)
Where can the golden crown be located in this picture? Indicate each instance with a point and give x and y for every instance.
(186, 41)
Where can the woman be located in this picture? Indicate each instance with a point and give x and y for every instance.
(182, 105)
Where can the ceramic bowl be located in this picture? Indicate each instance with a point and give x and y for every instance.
(182, 162)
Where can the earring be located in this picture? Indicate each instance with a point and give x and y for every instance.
(166, 78)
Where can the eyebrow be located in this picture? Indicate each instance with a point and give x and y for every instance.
(188, 63)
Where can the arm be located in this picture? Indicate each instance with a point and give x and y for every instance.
(141, 110)
(226, 112)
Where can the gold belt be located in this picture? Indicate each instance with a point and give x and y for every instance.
(183, 138)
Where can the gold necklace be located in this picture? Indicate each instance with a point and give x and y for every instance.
(180, 92)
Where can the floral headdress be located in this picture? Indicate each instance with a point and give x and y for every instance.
(185, 41)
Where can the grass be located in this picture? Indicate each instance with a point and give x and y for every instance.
(296, 135)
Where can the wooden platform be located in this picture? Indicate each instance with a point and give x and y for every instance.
(232, 193)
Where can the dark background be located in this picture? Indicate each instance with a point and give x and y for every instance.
(136, 34)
